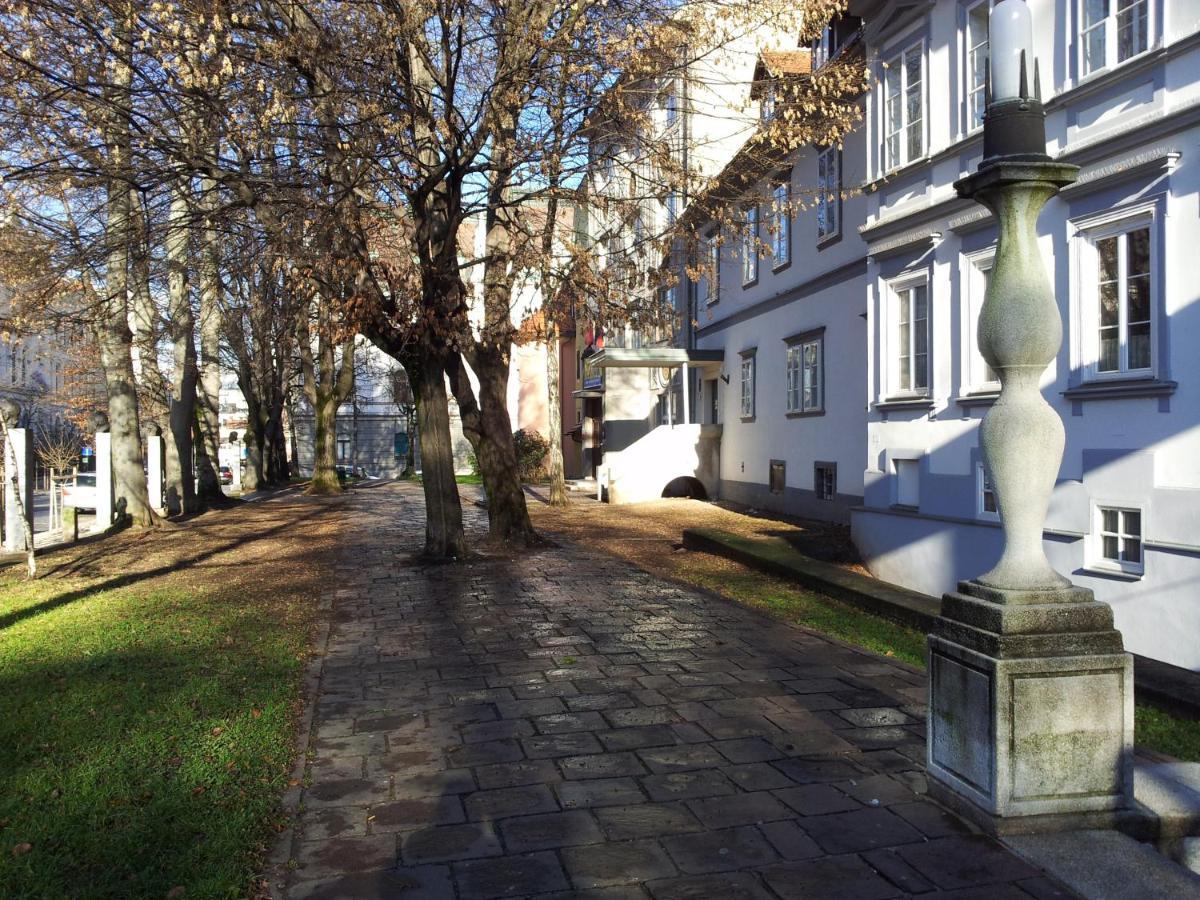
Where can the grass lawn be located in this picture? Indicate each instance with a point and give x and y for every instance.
(469, 478)
(149, 690)
(647, 534)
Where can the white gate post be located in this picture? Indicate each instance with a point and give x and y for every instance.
(104, 481)
(155, 459)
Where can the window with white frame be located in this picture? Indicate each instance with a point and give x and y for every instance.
(781, 223)
(1117, 287)
(904, 107)
(979, 377)
(829, 198)
(713, 246)
(1112, 31)
(822, 48)
(805, 374)
(748, 386)
(985, 495)
(975, 46)
(910, 338)
(1118, 542)
(766, 109)
(750, 245)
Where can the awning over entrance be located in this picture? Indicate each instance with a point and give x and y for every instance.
(707, 362)
(656, 357)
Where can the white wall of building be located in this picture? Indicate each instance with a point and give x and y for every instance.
(817, 291)
(1132, 436)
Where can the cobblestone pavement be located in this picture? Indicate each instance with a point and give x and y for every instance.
(564, 725)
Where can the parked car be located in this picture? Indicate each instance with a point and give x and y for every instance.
(226, 475)
(81, 494)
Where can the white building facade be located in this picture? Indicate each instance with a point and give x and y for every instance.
(787, 310)
(1122, 96)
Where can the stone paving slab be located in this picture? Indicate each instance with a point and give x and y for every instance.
(561, 724)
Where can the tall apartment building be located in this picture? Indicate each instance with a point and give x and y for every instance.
(34, 362)
(638, 409)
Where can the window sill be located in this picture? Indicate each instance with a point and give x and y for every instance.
(828, 241)
(978, 398)
(895, 403)
(713, 302)
(1117, 389)
(781, 267)
(746, 285)
(805, 414)
(1106, 572)
(901, 170)
(747, 419)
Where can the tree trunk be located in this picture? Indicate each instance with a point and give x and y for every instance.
(209, 385)
(292, 438)
(324, 477)
(254, 477)
(558, 483)
(275, 443)
(181, 481)
(444, 538)
(410, 458)
(487, 426)
(132, 501)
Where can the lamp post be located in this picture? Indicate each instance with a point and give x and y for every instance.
(1030, 692)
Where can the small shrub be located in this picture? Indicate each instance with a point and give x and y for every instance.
(532, 450)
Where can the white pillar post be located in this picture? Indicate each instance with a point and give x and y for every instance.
(155, 458)
(18, 479)
(668, 396)
(104, 481)
(235, 467)
(687, 406)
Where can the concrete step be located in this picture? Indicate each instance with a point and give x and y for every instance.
(1107, 865)
(1170, 792)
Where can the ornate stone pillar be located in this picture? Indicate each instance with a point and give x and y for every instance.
(1030, 692)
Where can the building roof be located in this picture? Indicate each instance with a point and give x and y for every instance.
(777, 63)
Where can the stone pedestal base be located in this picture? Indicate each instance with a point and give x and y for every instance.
(1030, 710)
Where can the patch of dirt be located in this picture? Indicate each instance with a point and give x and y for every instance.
(282, 542)
(649, 534)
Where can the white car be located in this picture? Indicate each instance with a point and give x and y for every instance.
(81, 494)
